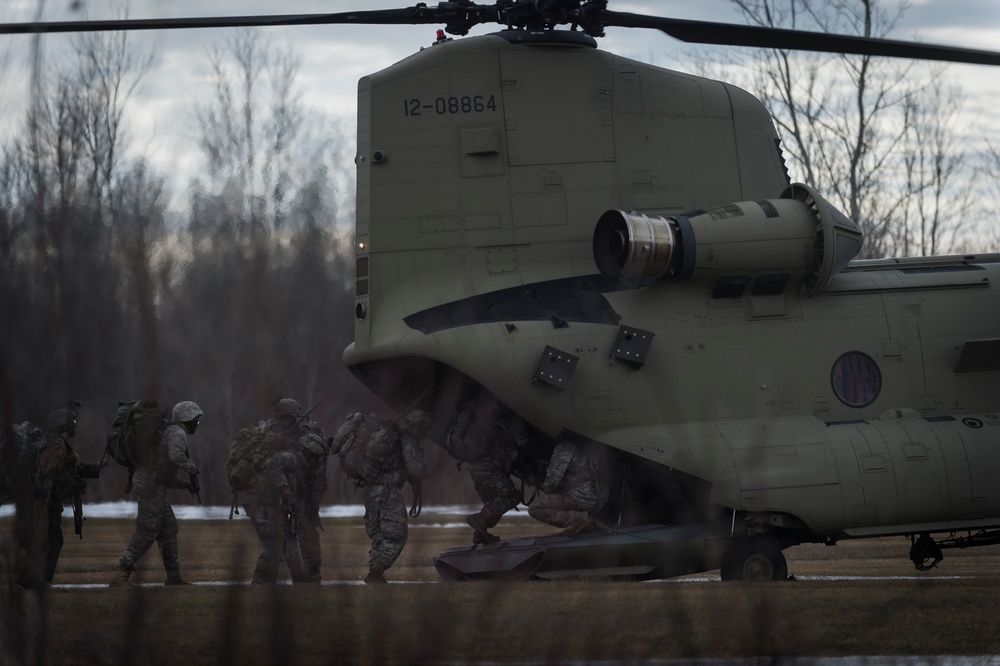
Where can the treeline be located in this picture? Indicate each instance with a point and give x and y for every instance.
(104, 296)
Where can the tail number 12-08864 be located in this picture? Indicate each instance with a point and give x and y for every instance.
(449, 105)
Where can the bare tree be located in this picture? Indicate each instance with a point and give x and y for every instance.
(63, 287)
(939, 180)
(110, 70)
(264, 306)
(848, 121)
(989, 169)
(248, 131)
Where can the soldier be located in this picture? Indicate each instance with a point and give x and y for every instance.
(305, 437)
(392, 457)
(486, 438)
(50, 472)
(156, 521)
(269, 504)
(571, 493)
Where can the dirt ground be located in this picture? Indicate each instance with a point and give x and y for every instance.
(859, 598)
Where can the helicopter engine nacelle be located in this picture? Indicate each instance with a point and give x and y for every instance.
(799, 233)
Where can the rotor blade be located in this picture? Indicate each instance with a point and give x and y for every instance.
(707, 32)
(411, 15)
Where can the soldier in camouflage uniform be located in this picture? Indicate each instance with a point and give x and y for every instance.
(488, 439)
(49, 472)
(267, 504)
(392, 457)
(156, 520)
(571, 493)
(305, 437)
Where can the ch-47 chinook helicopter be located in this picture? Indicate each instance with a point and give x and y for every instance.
(614, 252)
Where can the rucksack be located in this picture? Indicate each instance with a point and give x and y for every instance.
(250, 450)
(350, 441)
(19, 457)
(135, 432)
(475, 433)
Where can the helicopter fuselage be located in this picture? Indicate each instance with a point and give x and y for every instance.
(810, 394)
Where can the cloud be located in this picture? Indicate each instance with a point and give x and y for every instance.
(162, 119)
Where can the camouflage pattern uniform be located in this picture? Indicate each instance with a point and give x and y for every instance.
(392, 458)
(571, 493)
(483, 437)
(49, 472)
(272, 491)
(306, 438)
(156, 520)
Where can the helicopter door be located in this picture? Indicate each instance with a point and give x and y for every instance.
(921, 471)
(876, 503)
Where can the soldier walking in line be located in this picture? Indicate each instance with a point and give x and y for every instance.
(304, 436)
(271, 506)
(47, 473)
(392, 458)
(156, 521)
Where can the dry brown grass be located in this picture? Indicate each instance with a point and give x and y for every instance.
(433, 621)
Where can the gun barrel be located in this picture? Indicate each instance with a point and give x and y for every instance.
(78, 515)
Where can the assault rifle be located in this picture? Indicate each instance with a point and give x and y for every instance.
(291, 532)
(78, 486)
(194, 486)
(82, 471)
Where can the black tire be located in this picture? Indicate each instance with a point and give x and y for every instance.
(754, 559)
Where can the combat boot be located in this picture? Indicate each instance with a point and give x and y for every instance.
(121, 578)
(375, 576)
(484, 538)
(481, 523)
(580, 526)
(174, 578)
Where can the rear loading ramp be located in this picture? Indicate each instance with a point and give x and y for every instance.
(637, 553)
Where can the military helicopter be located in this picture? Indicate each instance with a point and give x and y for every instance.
(615, 253)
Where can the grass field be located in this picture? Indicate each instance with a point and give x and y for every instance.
(857, 598)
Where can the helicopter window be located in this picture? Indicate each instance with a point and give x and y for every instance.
(731, 286)
(856, 379)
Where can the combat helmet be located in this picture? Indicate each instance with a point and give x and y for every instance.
(64, 420)
(185, 411)
(286, 407)
(61, 420)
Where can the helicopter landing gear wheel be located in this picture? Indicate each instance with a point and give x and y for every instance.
(754, 559)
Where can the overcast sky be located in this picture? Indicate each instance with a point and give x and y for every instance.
(162, 123)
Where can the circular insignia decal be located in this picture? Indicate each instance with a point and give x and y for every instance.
(973, 423)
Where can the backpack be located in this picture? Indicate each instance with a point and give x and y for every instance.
(135, 432)
(250, 450)
(19, 457)
(475, 433)
(351, 440)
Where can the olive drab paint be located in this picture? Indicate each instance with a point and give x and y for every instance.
(481, 185)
